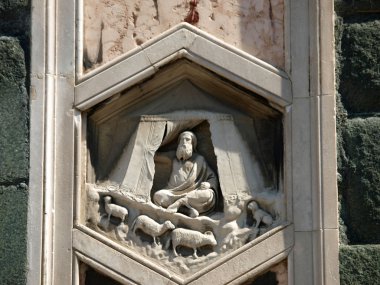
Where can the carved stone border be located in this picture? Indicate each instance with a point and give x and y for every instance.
(183, 41)
(307, 95)
(264, 250)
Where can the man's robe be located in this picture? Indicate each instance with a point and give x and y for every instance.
(185, 183)
(188, 175)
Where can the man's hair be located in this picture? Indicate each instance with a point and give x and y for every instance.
(193, 138)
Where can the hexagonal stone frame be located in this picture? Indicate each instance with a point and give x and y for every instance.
(183, 42)
(304, 93)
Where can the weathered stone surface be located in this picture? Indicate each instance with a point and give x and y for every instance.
(346, 7)
(341, 119)
(359, 264)
(14, 148)
(8, 5)
(112, 28)
(15, 22)
(360, 78)
(13, 237)
(12, 68)
(361, 180)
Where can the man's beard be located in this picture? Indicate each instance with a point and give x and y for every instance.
(184, 152)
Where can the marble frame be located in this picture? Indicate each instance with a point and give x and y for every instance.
(305, 91)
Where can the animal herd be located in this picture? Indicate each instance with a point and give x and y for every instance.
(178, 236)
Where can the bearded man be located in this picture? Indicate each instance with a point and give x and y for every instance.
(192, 183)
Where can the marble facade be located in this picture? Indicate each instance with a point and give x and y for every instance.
(253, 81)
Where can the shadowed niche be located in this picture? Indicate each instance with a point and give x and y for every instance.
(90, 276)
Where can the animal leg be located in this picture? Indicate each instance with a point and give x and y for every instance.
(155, 241)
(258, 221)
(174, 250)
(167, 245)
(195, 252)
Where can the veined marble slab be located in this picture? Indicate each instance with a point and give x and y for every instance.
(114, 27)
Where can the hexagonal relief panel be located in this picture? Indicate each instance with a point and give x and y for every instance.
(183, 173)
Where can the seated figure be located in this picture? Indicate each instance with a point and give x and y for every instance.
(192, 183)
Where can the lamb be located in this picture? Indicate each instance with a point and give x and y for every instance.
(259, 215)
(115, 210)
(151, 227)
(191, 239)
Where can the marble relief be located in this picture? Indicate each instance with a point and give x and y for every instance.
(173, 204)
(114, 27)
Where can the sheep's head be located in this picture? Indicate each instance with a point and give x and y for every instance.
(169, 225)
(107, 199)
(210, 238)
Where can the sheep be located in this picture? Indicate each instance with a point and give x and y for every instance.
(259, 215)
(151, 227)
(191, 239)
(115, 210)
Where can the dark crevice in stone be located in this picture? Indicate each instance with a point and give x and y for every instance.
(16, 182)
(350, 7)
(93, 277)
(268, 278)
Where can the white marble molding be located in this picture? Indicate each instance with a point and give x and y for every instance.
(62, 97)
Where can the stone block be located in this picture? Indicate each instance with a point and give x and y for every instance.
(361, 180)
(9, 5)
(360, 73)
(13, 234)
(12, 68)
(15, 21)
(347, 7)
(14, 113)
(359, 264)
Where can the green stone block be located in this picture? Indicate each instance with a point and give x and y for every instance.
(349, 7)
(13, 234)
(360, 64)
(359, 264)
(15, 21)
(12, 61)
(9, 5)
(361, 180)
(14, 114)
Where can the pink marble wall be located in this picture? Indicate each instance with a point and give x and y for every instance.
(113, 27)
